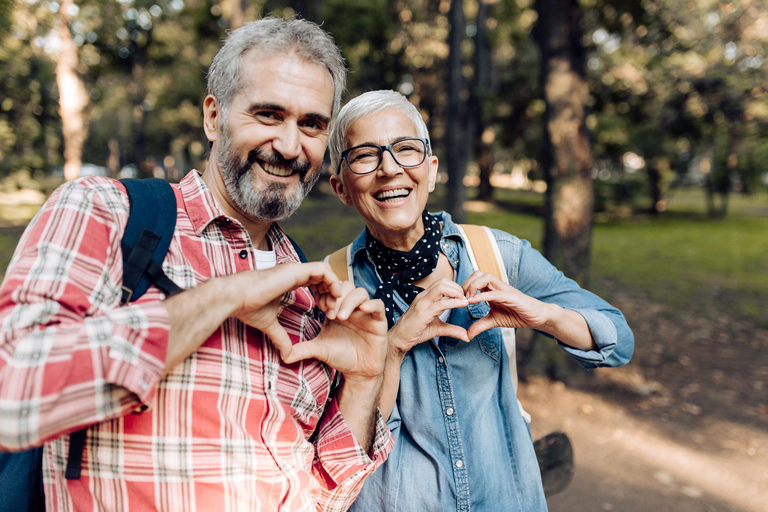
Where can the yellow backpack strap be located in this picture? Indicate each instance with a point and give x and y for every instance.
(484, 251)
(339, 262)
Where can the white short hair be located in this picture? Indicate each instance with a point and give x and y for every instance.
(372, 102)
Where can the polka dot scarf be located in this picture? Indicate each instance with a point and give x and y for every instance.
(409, 266)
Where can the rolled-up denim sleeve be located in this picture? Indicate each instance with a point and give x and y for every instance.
(538, 278)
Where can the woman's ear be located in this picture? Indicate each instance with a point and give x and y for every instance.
(433, 165)
(211, 121)
(338, 188)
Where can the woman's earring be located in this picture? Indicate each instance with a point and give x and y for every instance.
(431, 187)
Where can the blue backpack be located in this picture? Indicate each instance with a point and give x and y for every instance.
(148, 234)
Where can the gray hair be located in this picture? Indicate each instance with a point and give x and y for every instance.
(372, 102)
(271, 36)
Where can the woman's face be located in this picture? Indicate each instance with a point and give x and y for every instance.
(392, 197)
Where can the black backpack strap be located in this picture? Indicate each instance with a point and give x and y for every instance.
(147, 237)
(298, 250)
(148, 234)
(75, 455)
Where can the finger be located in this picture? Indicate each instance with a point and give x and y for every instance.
(307, 350)
(322, 277)
(348, 304)
(452, 331)
(279, 338)
(477, 281)
(480, 326)
(506, 297)
(332, 306)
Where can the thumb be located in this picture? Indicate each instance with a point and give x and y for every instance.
(279, 338)
(453, 331)
(480, 326)
(307, 350)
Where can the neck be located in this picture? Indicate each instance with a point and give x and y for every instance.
(400, 240)
(256, 228)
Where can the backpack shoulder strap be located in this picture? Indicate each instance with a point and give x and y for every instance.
(483, 250)
(298, 250)
(340, 262)
(147, 236)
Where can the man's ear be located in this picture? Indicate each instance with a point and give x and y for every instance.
(338, 188)
(433, 165)
(211, 118)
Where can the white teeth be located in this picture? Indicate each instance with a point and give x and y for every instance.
(398, 192)
(277, 171)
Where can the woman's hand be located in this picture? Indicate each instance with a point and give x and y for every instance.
(509, 306)
(421, 321)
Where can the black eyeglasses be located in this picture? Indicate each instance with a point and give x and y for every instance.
(366, 158)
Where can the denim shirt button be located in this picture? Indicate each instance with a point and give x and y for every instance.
(459, 464)
(449, 411)
(440, 360)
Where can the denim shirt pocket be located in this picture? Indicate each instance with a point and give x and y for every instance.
(488, 342)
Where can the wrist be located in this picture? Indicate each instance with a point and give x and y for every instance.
(225, 292)
(554, 317)
(360, 389)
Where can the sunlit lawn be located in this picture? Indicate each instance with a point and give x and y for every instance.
(679, 258)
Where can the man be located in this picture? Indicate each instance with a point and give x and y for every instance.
(206, 400)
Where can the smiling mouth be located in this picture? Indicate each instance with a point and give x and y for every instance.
(276, 170)
(392, 195)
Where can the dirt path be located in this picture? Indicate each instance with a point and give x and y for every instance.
(683, 427)
(627, 464)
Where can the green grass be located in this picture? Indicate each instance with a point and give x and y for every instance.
(678, 259)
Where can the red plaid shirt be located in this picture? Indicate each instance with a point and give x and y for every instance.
(228, 429)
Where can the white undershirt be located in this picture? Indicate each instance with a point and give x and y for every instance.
(265, 259)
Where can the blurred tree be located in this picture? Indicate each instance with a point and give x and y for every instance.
(567, 160)
(482, 132)
(456, 116)
(73, 96)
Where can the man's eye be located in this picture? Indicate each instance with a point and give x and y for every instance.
(267, 115)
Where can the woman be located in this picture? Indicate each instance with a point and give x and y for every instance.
(461, 442)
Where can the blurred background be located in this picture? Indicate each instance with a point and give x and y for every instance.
(626, 139)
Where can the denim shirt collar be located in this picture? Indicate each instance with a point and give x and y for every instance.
(448, 242)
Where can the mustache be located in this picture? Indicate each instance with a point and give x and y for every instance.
(277, 159)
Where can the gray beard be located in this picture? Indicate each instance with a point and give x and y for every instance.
(275, 202)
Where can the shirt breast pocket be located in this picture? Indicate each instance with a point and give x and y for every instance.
(489, 340)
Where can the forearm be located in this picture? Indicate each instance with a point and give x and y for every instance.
(195, 314)
(391, 383)
(568, 327)
(358, 401)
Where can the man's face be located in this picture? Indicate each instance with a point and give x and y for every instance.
(272, 141)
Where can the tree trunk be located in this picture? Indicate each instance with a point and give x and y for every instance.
(455, 145)
(73, 97)
(654, 184)
(568, 161)
(483, 134)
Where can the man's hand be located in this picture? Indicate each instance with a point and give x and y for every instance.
(353, 339)
(509, 306)
(421, 322)
(262, 291)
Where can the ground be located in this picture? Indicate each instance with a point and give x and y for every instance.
(684, 427)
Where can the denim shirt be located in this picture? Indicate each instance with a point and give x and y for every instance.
(461, 442)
